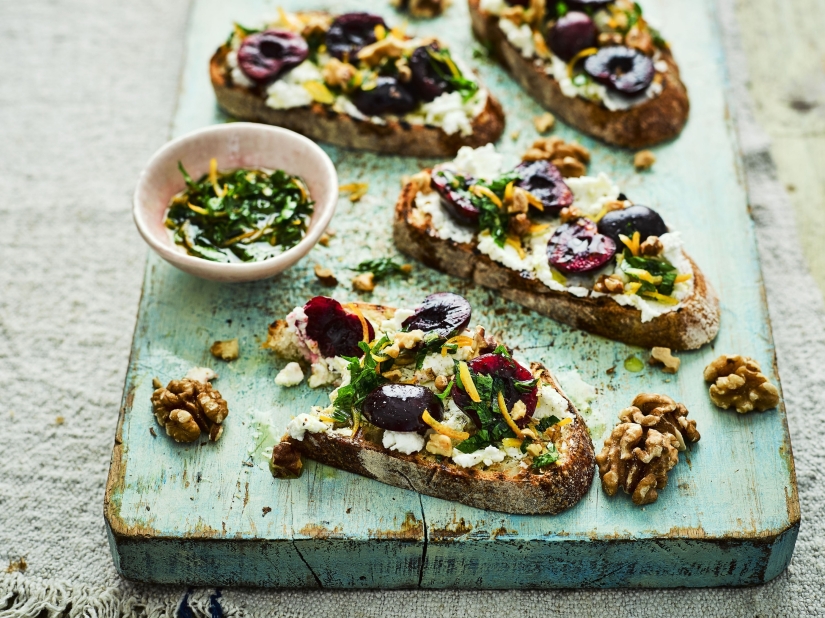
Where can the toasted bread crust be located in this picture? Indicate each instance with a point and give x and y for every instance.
(646, 124)
(689, 327)
(527, 492)
(322, 124)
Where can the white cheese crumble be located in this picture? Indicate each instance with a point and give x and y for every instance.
(488, 456)
(580, 392)
(551, 403)
(291, 375)
(591, 193)
(239, 78)
(303, 423)
(395, 324)
(443, 223)
(406, 442)
(484, 162)
(441, 365)
(288, 91)
(520, 36)
(201, 374)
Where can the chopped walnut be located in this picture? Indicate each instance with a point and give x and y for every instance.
(534, 449)
(519, 410)
(641, 39)
(404, 70)
(393, 375)
(441, 383)
(570, 213)
(422, 9)
(514, 14)
(403, 341)
(364, 282)
(422, 181)
(663, 355)
(315, 23)
(339, 74)
(606, 39)
(612, 284)
(651, 247)
(738, 382)
(324, 240)
(545, 122)
(185, 408)
(286, 461)
(225, 350)
(644, 160)
(519, 225)
(570, 167)
(440, 445)
(325, 276)
(520, 202)
(374, 53)
(535, 154)
(644, 447)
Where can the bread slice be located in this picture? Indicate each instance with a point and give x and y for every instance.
(321, 123)
(689, 327)
(654, 121)
(548, 490)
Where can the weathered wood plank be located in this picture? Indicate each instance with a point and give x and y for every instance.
(729, 515)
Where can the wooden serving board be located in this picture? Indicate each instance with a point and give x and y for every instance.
(213, 514)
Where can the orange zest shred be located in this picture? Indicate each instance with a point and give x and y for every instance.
(365, 329)
(380, 32)
(502, 405)
(564, 421)
(213, 177)
(582, 54)
(326, 419)
(534, 201)
(485, 192)
(632, 243)
(511, 443)
(515, 243)
(508, 192)
(467, 381)
(665, 300)
(443, 429)
(683, 278)
(197, 209)
(632, 288)
(319, 92)
(459, 340)
(538, 228)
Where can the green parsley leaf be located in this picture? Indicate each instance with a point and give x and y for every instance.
(525, 386)
(502, 350)
(382, 268)
(658, 267)
(547, 422)
(545, 459)
(473, 443)
(561, 9)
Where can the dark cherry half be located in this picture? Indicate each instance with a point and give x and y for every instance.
(452, 189)
(350, 32)
(399, 407)
(388, 97)
(577, 247)
(572, 33)
(443, 312)
(639, 218)
(621, 68)
(544, 180)
(336, 331)
(263, 56)
(510, 371)
(425, 81)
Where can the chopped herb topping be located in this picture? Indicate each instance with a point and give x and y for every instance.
(547, 422)
(493, 426)
(657, 267)
(492, 217)
(363, 380)
(445, 67)
(545, 459)
(382, 268)
(239, 216)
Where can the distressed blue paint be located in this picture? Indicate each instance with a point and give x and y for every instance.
(194, 514)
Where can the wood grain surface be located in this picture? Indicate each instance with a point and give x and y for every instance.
(212, 513)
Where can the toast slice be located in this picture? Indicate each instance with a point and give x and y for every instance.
(645, 123)
(505, 482)
(329, 115)
(687, 325)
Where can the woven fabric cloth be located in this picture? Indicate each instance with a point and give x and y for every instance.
(87, 93)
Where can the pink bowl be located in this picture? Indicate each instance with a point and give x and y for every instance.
(235, 145)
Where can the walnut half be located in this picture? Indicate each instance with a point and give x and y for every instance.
(644, 447)
(185, 408)
(738, 382)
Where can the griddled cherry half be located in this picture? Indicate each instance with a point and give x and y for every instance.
(621, 68)
(639, 218)
(577, 247)
(425, 81)
(544, 180)
(350, 32)
(389, 96)
(336, 331)
(452, 189)
(263, 56)
(444, 313)
(399, 407)
(509, 371)
(572, 32)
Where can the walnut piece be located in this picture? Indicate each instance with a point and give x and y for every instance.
(325, 276)
(611, 284)
(644, 447)
(545, 122)
(422, 9)
(374, 53)
(186, 407)
(520, 201)
(738, 382)
(651, 247)
(440, 445)
(339, 74)
(226, 350)
(644, 160)
(519, 225)
(570, 213)
(441, 383)
(286, 461)
(570, 157)
(663, 355)
(570, 167)
(364, 282)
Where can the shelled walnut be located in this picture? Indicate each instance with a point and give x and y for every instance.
(422, 9)
(187, 407)
(738, 382)
(644, 447)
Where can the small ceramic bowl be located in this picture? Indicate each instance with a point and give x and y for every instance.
(235, 145)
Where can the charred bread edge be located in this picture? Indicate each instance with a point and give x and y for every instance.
(646, 124)
(323, 124)
(689, 327)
